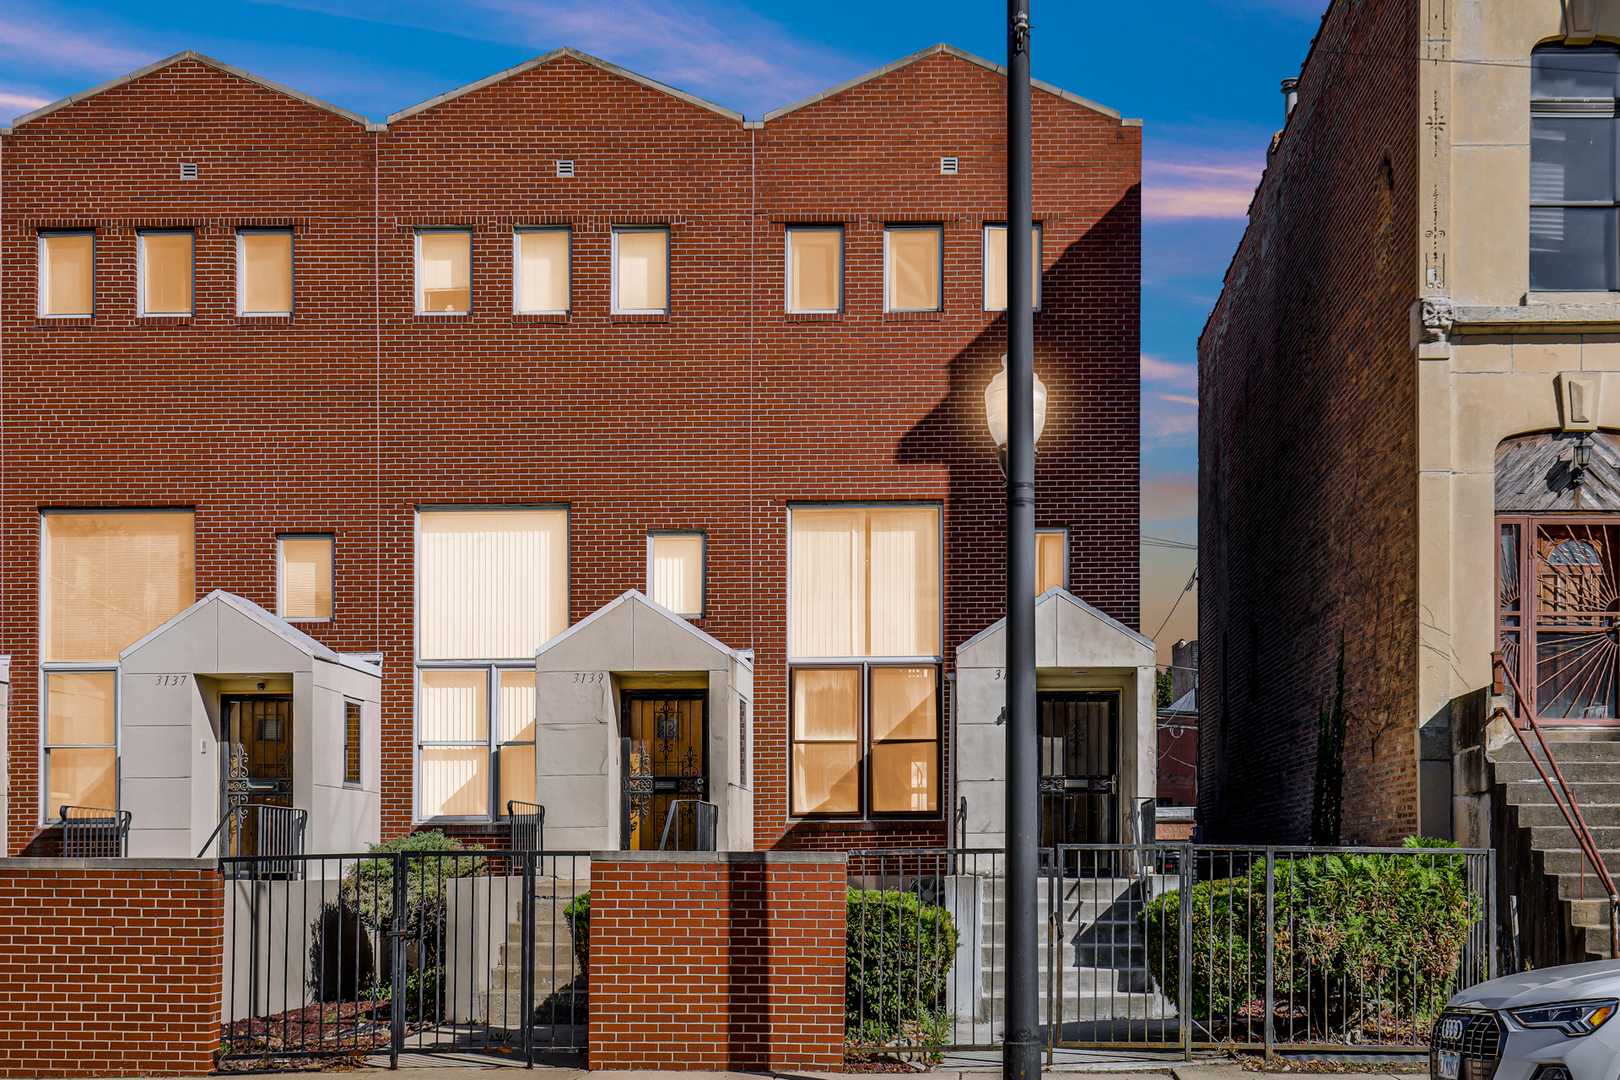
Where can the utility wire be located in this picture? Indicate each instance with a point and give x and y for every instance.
(1190, 582)
(1159, 541)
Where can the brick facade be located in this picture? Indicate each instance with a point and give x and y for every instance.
(109, 967)
(355, 411)
(718, 962)
(1307, 456)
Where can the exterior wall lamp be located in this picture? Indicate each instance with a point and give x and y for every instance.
(1582, 459)
(995, 411)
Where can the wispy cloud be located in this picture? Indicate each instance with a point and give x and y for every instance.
(1176, 189)
(29, 40)
(22, 103)
(1167, 496)
(1169, 420)
(1157, 370)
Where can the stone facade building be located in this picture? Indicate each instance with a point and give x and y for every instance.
(564, 439)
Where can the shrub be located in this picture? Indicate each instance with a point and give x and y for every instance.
(578, 914)
(899, 952)
(369, 886)
(1365, 934)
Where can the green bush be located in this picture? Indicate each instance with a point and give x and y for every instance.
(369, 886)
(1368, 934)
(899, 953)
(578, 914)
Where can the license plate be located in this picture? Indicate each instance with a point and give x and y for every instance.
(1450, 1065)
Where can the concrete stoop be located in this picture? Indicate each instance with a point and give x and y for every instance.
(500, 1003)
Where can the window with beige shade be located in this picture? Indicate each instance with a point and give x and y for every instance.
(443, 271)
(351, 742)
(542, 281)
(995, 267)
(304, 570)
(912, 267)
(164, 266)
(492, 587)
(67, 274)
(108, 578)
(815, 268)
(641, 270)
(675, 572)
(81, 737)
(1051, 559)
(864, 634)
(264, 272)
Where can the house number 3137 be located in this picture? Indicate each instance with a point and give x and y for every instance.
(171, 680)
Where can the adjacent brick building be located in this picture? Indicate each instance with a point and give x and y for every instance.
(668, 412)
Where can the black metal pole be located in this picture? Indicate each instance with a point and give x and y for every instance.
(1021, 1048)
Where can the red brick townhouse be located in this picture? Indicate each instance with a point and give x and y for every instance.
(565, 439)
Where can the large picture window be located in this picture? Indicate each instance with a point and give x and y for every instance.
(492, 588)
(864, 638)
(67, 274)
(1574, 240)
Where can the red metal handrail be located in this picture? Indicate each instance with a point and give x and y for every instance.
(1572, 812)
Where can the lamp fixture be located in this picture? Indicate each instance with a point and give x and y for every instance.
(995, 411)
(1581, 459)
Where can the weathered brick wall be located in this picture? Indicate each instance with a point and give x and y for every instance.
(354, 412)
(109, 967)
(1307, 465)
(717, 961)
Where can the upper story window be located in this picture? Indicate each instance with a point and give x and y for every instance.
(67, 274)
(443, 271)
(264, 272)
(640, 270)
(492, 587)
(541, 285)
(995, 267)
(304, 577)
(1051, 559)
(913, 265)
(815, 268)
(675, 572)
(165, 268)
(1574, 241)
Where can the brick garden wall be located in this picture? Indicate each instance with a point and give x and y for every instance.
(109, 967)
(1307, 461)
(717, 961)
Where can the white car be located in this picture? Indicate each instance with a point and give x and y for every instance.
(1553, 1024)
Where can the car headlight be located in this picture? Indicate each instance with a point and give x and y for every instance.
(1571, 1017)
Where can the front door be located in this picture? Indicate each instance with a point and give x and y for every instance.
(665, 739)
(1079, 769)
(257, 762)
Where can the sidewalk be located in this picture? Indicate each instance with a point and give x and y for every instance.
(438, 1068)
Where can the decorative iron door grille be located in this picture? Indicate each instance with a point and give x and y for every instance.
(666, 740)
(1557, 613)
(257, 763)
(1079, 767)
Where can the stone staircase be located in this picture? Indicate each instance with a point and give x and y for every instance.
(1536, 834)
(1101, 970)
(556, 971)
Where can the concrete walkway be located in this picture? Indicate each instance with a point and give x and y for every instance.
(438, 1068)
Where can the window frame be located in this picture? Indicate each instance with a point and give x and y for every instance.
(787, 267)
(40, 260)
(703, 568)
(359, 780)
(48, 815)
(292, 272)
(1573, 109)
(939, 229)
(416, 270)
(613, 269)
(1055, 530)
(140, 274)
(518, 232)
(984, 261)
(495, 666)
(865, 664)
(281, 594)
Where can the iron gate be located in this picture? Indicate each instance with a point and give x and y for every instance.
(1079, 776)
(664, 755)
(257, 765)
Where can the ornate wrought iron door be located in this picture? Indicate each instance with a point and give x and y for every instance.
(257, 762)
(1558, 614)
(666, 740)
(1079, 782)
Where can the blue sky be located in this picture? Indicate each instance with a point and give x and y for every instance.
(1202, 74)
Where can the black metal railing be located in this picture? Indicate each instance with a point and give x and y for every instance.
(528, 823)
(690, 825)
(91, 832)
(257, 829)
(379, 954)
(1170, 948)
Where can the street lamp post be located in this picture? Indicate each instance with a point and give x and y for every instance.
(1021, 1047)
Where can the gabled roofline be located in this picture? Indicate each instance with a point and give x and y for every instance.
(189, 54)
(935, 50)
(270, 621)
(1056, 593)
(632, 596)
(612, 69)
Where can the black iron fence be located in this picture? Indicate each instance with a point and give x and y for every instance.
(91, 832)
(343, 956)
(1171, 947)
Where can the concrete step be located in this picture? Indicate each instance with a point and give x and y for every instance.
(1548, 837)
(1083, 981)
(1123, 956)
(544, 930)
(1570, 733)
(1575, 772)
(1102, 930)
(1572, 861)
(1101, 1006)
(1566, 752)
(545, 980)
(1547, 815)
(1535, 793)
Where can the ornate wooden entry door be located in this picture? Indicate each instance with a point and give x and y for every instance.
(1079, 767)
(257, 762)
(666, 741)
(1557, 613)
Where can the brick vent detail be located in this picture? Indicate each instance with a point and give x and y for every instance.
(109, 967)
(717, 962)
